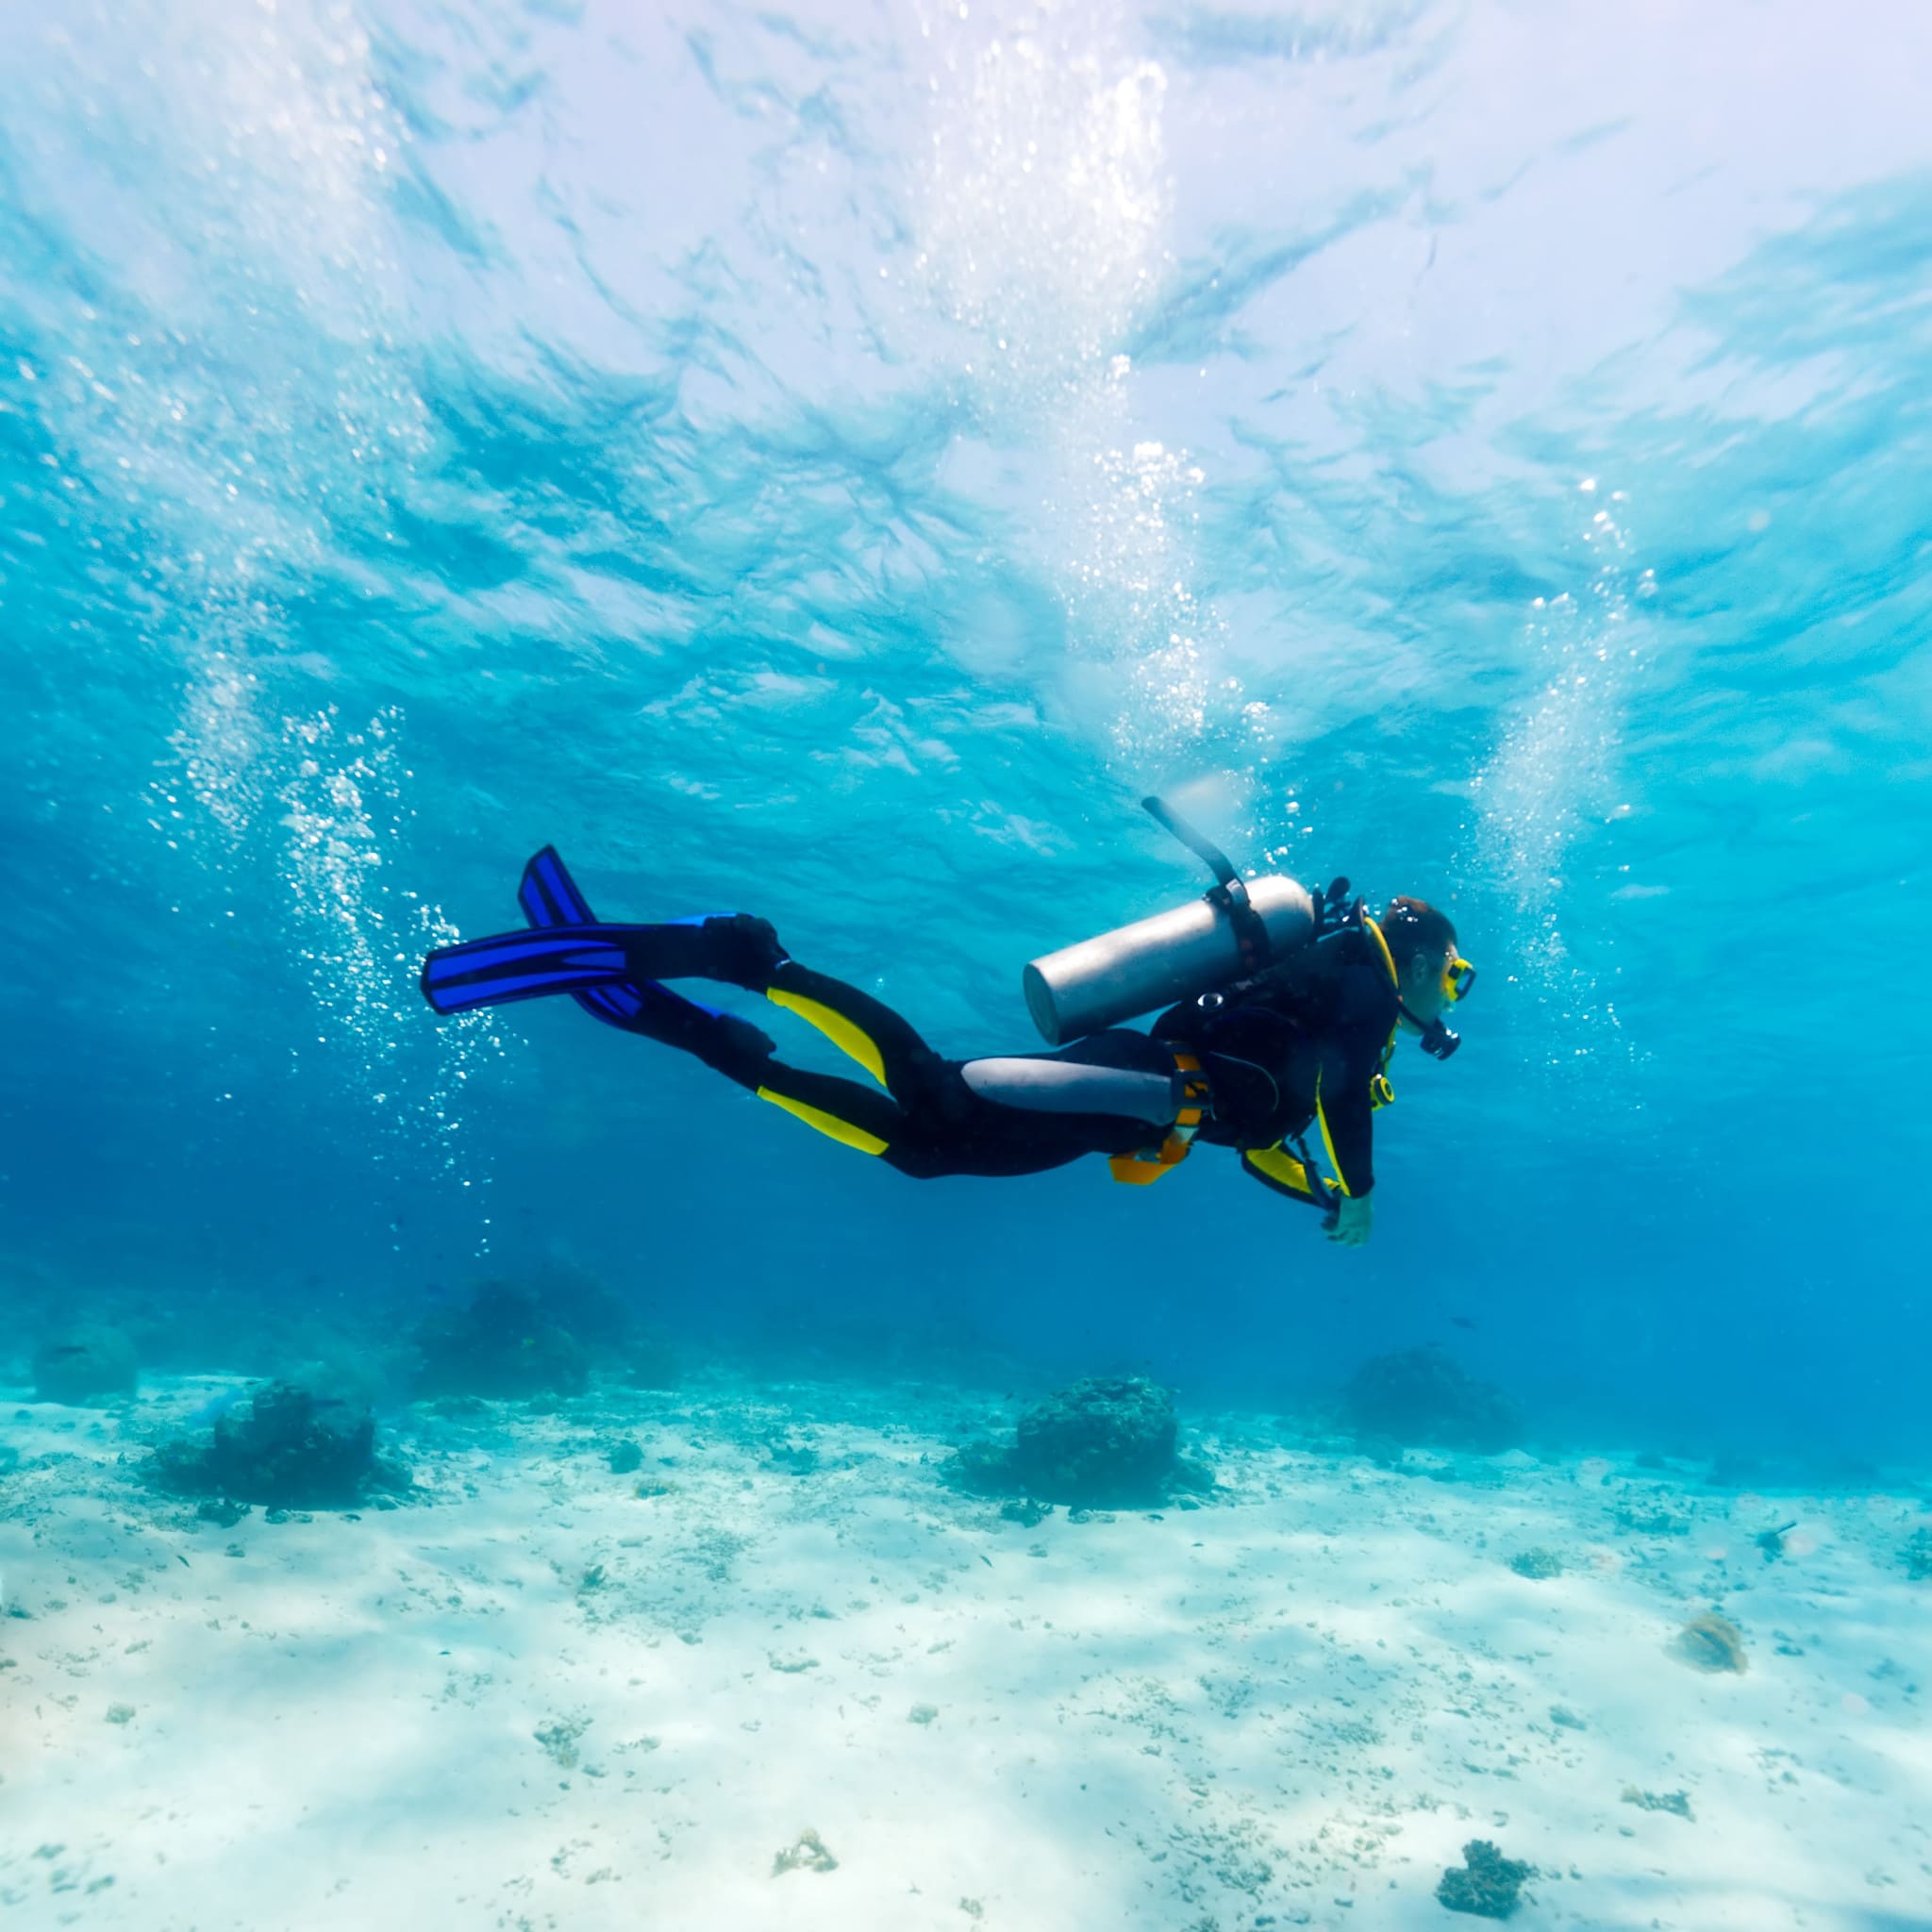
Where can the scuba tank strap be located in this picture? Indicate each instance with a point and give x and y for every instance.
(1228, 891)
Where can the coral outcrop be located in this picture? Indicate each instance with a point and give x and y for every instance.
(1538, 1564)
(1425, 1396)
(1485, 1885)
(1107, 1441)
(504, 1344)
(286, 1449)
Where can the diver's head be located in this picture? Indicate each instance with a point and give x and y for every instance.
(1421, 943)
(1430, 970)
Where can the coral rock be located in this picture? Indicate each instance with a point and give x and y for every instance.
(1487, 1885)
(806, 1853)
(504, 1344)
(1110, 1439)
(1422, 1395)
(287, 1449)
(1712, 1643)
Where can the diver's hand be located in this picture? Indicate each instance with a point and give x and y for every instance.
(1355, 1220)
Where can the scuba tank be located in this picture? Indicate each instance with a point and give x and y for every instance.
(1235, 930)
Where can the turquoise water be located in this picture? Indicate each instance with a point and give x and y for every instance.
(833, 462)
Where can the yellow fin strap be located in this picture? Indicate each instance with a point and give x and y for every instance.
(826, 1123)
(853, 1042)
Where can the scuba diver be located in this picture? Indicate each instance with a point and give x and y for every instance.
(1282, 1014)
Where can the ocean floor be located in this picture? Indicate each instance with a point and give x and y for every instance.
(779, 1675)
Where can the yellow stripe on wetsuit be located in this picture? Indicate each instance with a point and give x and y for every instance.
(852, 1041)
(826, 1123)
(1340, 1178)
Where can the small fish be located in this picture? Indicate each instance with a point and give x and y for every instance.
(1460, 1321)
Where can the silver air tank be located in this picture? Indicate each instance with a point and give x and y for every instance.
(1157, 961)
(1234, 930)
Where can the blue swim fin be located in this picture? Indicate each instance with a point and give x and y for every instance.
(570, 951)
(549, 897)
(522, 966)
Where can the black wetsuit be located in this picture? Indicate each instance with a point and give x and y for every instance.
(1253, 1069)
(1298, 1050)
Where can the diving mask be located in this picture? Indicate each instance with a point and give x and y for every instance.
(1438, 1040)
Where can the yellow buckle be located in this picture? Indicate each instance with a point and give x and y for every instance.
(1147, 1165)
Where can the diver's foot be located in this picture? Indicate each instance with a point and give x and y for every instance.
(734, 1047)
(744, 952)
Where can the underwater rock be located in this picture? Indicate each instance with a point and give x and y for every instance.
(1540, 1565)
(1917, 1556)
(1712, 1643)
(79, 1366)
(625, 1459)
(1487, 1885)
(286, 1449)
(806, 1853)
(1107, 1441)
(1677, 1803)
(573, 1298)
(1650, 1517)
(503, 1346)
(1424, 1395)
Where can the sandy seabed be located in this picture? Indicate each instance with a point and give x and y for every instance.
(548, 1695)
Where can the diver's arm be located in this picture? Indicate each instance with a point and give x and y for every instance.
(1344, 1110)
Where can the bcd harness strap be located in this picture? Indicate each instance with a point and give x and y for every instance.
(1292, 1172)
(1380, 1091)
(1147, 1164)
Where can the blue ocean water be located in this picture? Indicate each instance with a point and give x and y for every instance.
(833, 461)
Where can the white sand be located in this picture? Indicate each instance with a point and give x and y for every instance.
(545, 1701)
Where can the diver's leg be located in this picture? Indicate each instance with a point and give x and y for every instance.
(847, 1111)
(654, 1012)
(883, 1041)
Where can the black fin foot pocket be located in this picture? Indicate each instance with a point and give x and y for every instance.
(746, 950)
